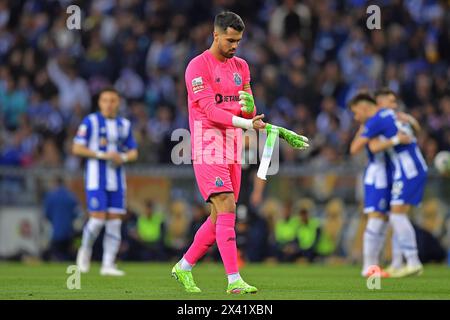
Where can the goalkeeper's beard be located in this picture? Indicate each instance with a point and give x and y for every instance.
(230, 54)
(227, 54)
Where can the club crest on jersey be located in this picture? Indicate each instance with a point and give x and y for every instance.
(197, 84)
(219, 182)
(237, 79)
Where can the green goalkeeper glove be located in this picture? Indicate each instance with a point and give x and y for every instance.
(293, 139)
(246, 101)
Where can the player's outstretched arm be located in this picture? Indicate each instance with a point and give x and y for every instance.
(377, 145)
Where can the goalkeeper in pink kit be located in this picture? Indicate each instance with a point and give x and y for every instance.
(221, 104)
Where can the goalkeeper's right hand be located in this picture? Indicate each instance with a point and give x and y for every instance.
(257, 122)
(293, 139)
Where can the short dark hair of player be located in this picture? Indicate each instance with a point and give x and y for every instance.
(108, 89)
(384, 92)
(361, 97)
(230, 19)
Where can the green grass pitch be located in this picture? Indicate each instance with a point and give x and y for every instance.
(153, 281)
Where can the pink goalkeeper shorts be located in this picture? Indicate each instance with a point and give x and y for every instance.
(218, 178)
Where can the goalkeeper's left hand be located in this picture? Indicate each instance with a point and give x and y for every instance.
(293, 139)
(246, 101)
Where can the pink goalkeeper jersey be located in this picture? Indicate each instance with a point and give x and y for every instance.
(213, 98)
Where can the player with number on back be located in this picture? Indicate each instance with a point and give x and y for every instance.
(220, 101)
(381, 131)
(106, 140)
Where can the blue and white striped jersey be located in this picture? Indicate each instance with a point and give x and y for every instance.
(407, 159)
(102, 134)
(379, 169)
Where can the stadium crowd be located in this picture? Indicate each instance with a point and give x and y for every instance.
(306, 58)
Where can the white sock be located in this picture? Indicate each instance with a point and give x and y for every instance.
(233, 277)
(406, 237)
(397, 257)
(90, 232)
(373, 242)
(382, 239)
(184, 265)
(111, 242)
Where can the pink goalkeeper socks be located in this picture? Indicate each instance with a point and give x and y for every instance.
(204, 238)
(226, 241)
(223, 232)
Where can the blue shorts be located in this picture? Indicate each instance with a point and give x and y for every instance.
(376, 200)
(106, 201)
(408, 191)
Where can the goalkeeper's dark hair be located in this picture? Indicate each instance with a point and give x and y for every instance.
(361, 97)
(230, 19)
(385, 91)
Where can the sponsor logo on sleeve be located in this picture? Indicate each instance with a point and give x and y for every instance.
(197, 84)
(82, 131)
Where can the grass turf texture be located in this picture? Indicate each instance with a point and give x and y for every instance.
(153, 281)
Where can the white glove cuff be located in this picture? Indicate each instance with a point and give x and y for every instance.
(239, 122)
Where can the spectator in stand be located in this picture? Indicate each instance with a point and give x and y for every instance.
(61, 209)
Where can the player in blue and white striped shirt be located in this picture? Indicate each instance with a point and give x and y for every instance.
(377, 196)
(107, 141)
(387, 98)
(382, 131)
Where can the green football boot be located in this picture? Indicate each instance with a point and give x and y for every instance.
(240, 287)
(185, 278)
(410, 271)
